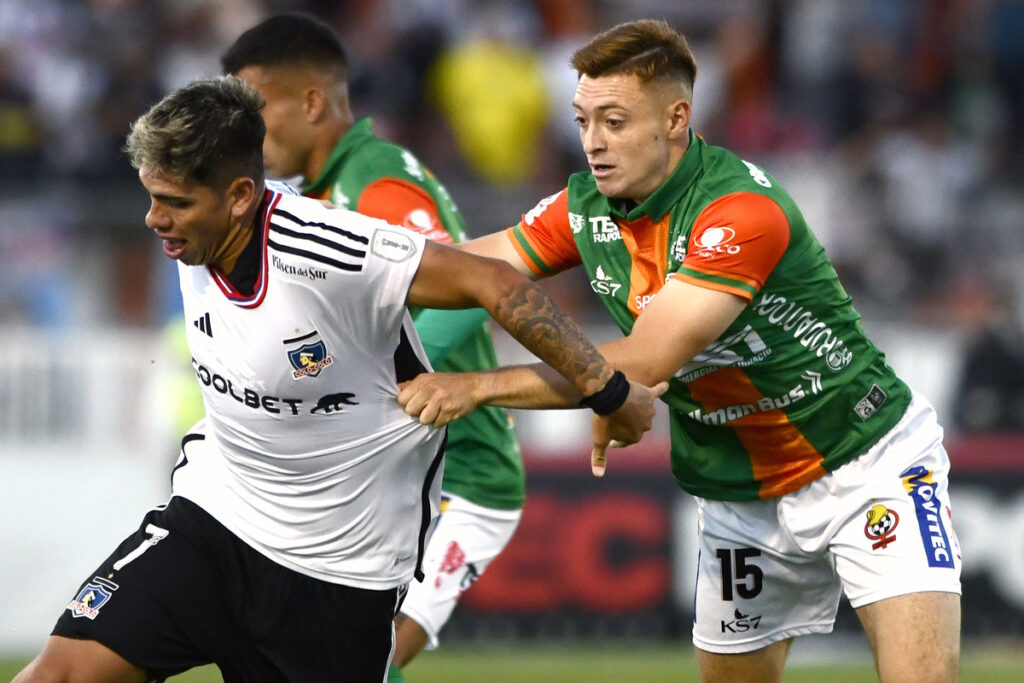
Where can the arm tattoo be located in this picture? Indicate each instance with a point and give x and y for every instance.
(541, 326)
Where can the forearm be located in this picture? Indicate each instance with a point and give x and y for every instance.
(533, 319)
(527, 387)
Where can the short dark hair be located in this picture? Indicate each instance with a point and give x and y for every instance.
(648, 49)
(287, 40)
(208, 132)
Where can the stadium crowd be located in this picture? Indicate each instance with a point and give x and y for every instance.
(899, 128)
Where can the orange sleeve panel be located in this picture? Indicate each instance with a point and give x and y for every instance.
(543, 238)
(400, 202)
(735, 244)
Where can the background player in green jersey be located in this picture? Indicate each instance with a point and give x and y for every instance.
(815, 468)
(300, 68)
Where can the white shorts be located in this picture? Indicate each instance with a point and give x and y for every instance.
(466, 537)
(877, 527)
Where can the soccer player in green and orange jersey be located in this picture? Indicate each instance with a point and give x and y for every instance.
(300, 69)
(805, 451)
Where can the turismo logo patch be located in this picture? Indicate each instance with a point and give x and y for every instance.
(92, 597)
(920, 486)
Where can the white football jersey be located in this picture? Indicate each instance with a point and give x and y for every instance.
(305, 453)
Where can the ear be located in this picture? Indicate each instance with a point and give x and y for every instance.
(314, 104)
(241, 195)
(679, 118)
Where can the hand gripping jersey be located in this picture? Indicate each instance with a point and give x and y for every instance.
(793, 388)
(305, 453)
(378, 178)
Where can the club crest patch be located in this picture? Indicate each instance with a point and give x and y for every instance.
(880, 526)
(92, 597)
(310, 357)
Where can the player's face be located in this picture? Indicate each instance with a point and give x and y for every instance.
(288, 143)
(626, 129)
(194, 221)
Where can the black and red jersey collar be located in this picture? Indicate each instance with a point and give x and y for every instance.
(259, 254)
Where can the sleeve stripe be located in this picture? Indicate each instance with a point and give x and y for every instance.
(362, 239)
(319, 240)
(719, 284)
(525, 249)
(315, 257)
(736, 277)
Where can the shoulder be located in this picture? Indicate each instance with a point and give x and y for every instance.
(724, 172)
(304, 228)
(376, 159)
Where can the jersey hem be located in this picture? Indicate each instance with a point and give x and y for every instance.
(337, 579)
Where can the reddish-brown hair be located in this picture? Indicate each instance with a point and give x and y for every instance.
(648, 49)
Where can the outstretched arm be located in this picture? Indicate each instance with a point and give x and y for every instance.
(681, 321)
(448, 278)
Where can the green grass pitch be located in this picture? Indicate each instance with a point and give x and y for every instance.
(626, 663)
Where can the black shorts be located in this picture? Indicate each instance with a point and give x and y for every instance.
(183, 591)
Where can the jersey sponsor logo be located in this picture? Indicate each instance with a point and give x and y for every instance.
(308, 272)
(419, 220)
(919, 483)
(454, 558)
(204, 325)
(248, 397)
(716, 241)
(412, 165)
(739, 349)
(679, 249)
(604, 284)
(310, 358)
(880, 526)
(392, 246)
(92, 597)
(741, 623)
(340, 199)
(734, 412)
(871, 402)
(604, 229)
(577, 223)
(332, 403)
(806, 328)
(536, 211)
(759, 176)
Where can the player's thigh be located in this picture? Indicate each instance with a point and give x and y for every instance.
(761, 666)
(156, 598)
(926, 648)
(755, 587)
(464, 542)
(85, 661)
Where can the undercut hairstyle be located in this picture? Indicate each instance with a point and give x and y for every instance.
(291, 39)
(208, 132)
(649, 49)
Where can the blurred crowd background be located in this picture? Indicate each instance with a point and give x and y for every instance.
(897, 126)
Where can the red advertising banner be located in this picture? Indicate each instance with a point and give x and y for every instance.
(615, 555)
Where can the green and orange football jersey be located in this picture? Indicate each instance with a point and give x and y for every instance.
(793, 388)
(378, 178)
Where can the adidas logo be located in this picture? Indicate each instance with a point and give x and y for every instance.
(204, 325)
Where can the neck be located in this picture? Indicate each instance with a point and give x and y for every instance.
(324, 143)
(238, 236)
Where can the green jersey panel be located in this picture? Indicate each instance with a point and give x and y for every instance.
(483, 463)
(793, 388)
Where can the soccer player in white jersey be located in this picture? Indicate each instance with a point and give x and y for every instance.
(300, 502)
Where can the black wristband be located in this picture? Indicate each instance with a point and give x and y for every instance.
(611, 397)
